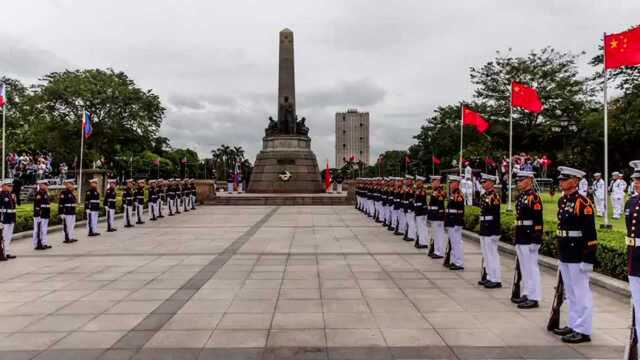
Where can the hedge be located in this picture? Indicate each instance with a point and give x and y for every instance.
(611, 257)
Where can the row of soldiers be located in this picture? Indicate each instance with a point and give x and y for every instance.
(411, 210)
(170, 197)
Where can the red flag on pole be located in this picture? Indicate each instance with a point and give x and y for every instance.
(327, 178)
(525, 97)
(622, 49)
(470, 117)
(435, 160)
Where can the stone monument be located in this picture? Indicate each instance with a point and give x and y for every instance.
(286, 163)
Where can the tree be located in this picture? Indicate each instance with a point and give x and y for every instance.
(126, 118)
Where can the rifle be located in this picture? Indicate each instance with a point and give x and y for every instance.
(483, 277)
(554, 319)
(447, 257)
(431, 247)
(517, 278)
(631, 350)
(2, 253)
(64, 227)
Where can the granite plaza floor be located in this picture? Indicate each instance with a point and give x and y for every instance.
(271, 283)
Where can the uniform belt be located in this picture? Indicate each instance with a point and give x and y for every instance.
(433, 208)
(524, 222)
(7, 211)
(94, 201)
(418, 204)
(454, 211)
(569, 233)
(632, 241)
(486, 218)
(69, 205)
(44, 205)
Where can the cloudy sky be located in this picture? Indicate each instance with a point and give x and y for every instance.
(214, 63)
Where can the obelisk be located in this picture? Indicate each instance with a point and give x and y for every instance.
(286, 82)
(286, 163)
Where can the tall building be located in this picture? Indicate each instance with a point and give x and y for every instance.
(352, 136)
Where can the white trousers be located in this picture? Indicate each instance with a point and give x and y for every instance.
(617, 203)
(139, 212)
(92, 221)
(387, 214)
(7, 235)
(229, 188)
(194, 201)
(40, 229)
(153, 210)
(70, 223)
(422, 230)
(111, 214)
(128, 215)
(411, 225)
(468, 198)
(599, 205)
(528, 258)
(402, 221)
(339, 187)
(489, 246)
(579, 297)
(457, 248)
(172, 206)
(379, 211)
(394, 218)
(437, 231)
(634, 286)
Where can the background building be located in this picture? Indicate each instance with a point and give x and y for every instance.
(352, 136)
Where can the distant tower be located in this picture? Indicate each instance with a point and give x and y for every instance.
(352, 136)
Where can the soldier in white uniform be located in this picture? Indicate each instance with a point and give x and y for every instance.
(618, 187)
(598, 193)
(583, 186)
(467, 187)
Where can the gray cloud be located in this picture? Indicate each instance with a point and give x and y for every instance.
(363, 92)
(26, 61)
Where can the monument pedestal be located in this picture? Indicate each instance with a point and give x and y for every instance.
(286, 165)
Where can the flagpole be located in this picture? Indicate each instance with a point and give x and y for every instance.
(461, 127)
(4, 115)
(606, 135)
(81, 152)
(510, 169)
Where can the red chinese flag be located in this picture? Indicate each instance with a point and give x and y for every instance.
(435, 160)
(327, 178)
(470, 117)
(525, 97)
(622, 49)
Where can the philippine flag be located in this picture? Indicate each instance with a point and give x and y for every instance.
(3, 95)
(86, 124)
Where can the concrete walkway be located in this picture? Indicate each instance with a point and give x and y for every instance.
(271, 283)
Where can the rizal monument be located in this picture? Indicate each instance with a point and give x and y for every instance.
(286, 163)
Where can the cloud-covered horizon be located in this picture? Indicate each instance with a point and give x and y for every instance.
(214, 64)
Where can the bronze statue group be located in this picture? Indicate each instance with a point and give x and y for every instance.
(433, 217)
(163, 197)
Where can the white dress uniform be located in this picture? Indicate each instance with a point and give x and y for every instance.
(467, 187)
(617, 197)
(583, 187)
(598, 196)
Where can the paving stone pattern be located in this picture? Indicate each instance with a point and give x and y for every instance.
(255, 282)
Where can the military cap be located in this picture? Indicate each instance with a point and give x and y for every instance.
(453, 178)
(420, 178)
(94, 180)
(43, 182)
(635, 164)
(487, 177)
(567, 172)
(68, 181)
(112, 181)
(435, 177)
(597, 174)
(525, 174)
(7, 182)
(615, 173)
(407, 176)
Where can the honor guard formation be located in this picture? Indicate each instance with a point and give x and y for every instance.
(432, 218)
(171, 197)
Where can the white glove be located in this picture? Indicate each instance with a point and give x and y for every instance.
(586, 267)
